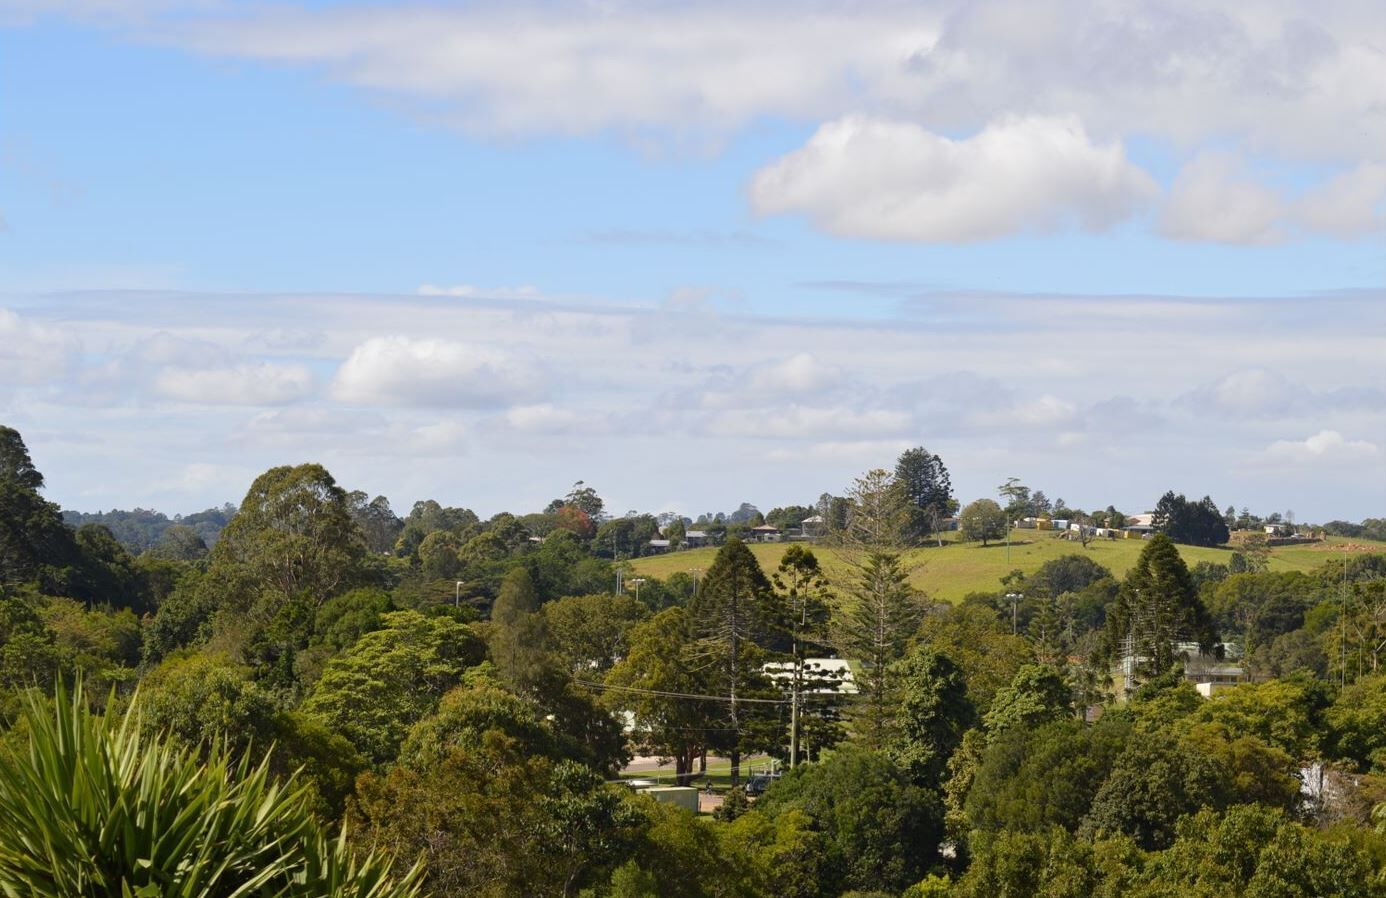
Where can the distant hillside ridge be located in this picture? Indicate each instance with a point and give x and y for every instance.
(141, 528)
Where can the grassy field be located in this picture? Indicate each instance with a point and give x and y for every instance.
(718, 772)
(957, 568)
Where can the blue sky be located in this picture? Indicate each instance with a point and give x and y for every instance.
(696, 253)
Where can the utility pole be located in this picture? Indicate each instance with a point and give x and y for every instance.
(1342, 615)
(794, 721)
(797, 681)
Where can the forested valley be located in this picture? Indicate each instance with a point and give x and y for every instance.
(307, 694)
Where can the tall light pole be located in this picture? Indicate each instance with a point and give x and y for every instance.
(637, 581)
(457, 595)
(1015, 598)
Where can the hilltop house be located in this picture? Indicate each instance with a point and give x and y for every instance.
(1139, 526)
(765, 533)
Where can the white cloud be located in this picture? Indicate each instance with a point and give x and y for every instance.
(542, 418)
(1152, 388)
(1274, 80)
(470, 291)
(1254, 392)
(1044, 413)
(1324, 447)
(856, 452)
(1215, 199)
(1267, 394)
(296, 425)
(200, 474)
(1306, 82)
(265, 383)
(867, 177)
(799, 374)
(797, 422)
(522, 68)
(1349, 205)
(164, 348)
(445, 437)
(30, 352)
(428, 372)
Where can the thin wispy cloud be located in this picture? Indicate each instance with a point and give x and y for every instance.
(1105, 409)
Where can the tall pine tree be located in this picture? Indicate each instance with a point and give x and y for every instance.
(1157, 608)
(875, 623)
(928, 493)
(735, 616)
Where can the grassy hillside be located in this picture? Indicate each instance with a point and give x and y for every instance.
(957, 568)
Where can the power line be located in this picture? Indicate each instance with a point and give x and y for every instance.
(710, 698)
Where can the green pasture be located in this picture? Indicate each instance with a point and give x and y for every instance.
(956, 568)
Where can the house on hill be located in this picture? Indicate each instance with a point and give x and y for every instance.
(766, 533)
(1139, 526)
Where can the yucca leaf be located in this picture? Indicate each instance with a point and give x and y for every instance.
(102, 808)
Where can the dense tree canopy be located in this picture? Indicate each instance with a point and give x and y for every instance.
(982, 521)
(928, 492)
(467, 693)
(391, 678)
(881, 831)
(1194, 523)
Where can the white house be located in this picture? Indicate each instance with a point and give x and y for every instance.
(836, 674)
(1209, 672)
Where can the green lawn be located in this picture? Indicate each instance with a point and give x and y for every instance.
(718, 773)
(957, 568)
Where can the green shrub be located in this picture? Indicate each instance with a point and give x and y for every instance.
(98, 807)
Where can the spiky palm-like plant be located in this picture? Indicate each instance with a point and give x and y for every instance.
(98, 807)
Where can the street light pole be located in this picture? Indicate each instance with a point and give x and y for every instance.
(1015, 598)
(457, 595)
